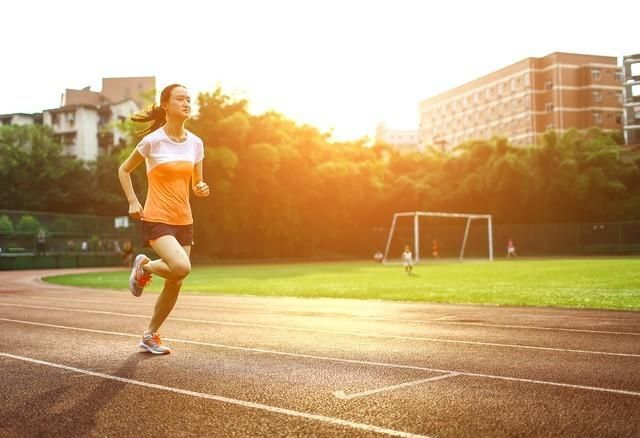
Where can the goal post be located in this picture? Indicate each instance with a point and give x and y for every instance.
(416, 215)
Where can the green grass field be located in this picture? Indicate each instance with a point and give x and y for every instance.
(598, 283)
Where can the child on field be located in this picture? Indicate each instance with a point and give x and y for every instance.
(407, 258)
(511, 249)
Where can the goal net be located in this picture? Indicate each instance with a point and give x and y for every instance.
(433, 236)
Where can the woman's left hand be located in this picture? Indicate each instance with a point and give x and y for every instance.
(201, 189)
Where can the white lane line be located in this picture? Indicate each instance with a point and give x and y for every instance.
(343, 396)
(440, 320)
(243, 403)
(529, 327)
(335, 359)
(332, 332)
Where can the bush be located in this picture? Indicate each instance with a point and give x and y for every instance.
(28, 224)
(6, 226)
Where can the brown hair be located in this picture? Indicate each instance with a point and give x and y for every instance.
(156, 113)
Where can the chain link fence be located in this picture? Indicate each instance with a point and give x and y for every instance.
(530, 240)
(48, 240)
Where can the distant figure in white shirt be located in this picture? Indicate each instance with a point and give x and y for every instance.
(511, 249)
(407, 258)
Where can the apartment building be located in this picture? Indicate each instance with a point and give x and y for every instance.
(404, 140)
(20, 119)
(631, 84)
(559, 91)
(85, 121)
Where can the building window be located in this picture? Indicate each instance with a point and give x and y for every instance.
(548, 107)
(549, 126)
(487, 93)
(475, 98)
(595, 74)
(619, 76)
(597, 118)
(619, 97)
(527, 80)
(500, 87)
(548, 85)
(512, 84)
(618, 120)
(597, 96)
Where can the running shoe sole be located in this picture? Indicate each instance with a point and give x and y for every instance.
(133, 284)
(151, 350)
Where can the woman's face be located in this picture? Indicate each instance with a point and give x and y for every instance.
(179, 104)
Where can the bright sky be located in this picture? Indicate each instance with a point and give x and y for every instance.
(336, 64)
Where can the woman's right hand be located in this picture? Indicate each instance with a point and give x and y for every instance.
(135, 210)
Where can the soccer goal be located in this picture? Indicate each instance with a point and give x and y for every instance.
(435, 235)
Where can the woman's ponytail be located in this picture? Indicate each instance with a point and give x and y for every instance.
(156, 114)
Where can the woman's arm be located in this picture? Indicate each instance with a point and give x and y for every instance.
(124, 174)
(200, 188)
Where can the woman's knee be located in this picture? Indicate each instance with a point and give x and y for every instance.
(175, 284)
(180, 270)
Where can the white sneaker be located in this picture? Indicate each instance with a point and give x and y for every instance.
(138, 278)
(152, 343)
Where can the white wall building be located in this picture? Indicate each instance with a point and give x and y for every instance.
(404, 140)
(86, 123)
(20, 119)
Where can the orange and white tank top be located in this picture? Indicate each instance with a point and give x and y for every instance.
(169, 169)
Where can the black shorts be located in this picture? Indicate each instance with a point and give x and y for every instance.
(155, 230)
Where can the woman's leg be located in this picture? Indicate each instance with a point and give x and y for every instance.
(174, 266)
(174, 261)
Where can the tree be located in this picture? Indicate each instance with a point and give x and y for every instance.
(37, 175)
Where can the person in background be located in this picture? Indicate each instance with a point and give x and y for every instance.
(435, 249)
(127, 254)
(41, 242)
(511, 249)
(407, 259)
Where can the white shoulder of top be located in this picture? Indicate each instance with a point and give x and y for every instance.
(159, 134)
(153, 136)
(195, 137)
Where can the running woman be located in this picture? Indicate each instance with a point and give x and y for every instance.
(173, 158)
